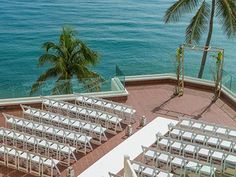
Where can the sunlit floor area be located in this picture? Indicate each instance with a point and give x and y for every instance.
(158, 100)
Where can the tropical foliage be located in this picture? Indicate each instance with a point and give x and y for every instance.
(203, 20)
(70, 58)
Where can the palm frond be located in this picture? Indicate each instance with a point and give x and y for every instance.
(174, 12)
(51, 58)
(61, 67)
(75, 55)
(62, 86)
(89, 55)
(96, 76)
(83, 72)
(90, 79)
(67, 37)
(92, 83)
(50, 73)
(70, 57)
(226, 12)
(54, 47)
(198, 23)
(79, 70)
(89, 74)
(49, 45)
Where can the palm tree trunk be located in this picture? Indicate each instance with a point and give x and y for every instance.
(204, 56)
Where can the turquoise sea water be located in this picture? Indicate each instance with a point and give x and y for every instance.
(130, 33)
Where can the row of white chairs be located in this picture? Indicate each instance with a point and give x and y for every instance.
(28, 162)
(79, 140)
(94, 130)
(224, 160)
(144, 170)
(108, 120)
(123, 110)
(207, 127)
(177, 164)
(49, 148)
(190, 135)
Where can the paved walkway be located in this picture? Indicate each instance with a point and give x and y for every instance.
(113, 161)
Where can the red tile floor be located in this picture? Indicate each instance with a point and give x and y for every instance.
(151, 101)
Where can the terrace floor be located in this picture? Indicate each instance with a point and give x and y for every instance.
(151, 101)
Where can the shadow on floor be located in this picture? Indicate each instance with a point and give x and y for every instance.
(205, 109)
(156, 109)
(161, 110)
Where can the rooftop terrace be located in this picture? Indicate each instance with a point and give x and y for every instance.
(151, 100)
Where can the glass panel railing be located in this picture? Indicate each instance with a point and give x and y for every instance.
(229, 81)
(22, 88)
(190, 69)
(120, 75)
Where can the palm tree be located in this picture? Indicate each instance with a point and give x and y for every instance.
(69, 58)
(225, 10)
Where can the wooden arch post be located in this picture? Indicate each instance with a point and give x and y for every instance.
(179, 89)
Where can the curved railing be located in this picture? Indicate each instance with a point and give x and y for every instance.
(19, 89)
(22, 88)
(228, 79)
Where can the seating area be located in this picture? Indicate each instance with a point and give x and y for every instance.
(64, 153)
(192, 150)
(213, 129)
(142, 169)
(78, 140)
(203, 138)
(190, 147)
(96, 131)
(42, 141)
(126, 112)
(28, 162)
(108, 120)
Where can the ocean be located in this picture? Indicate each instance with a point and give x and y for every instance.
(127, 33)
